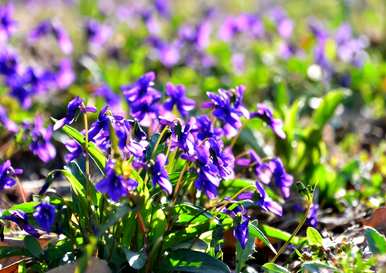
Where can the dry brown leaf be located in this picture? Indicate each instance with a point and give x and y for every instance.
(377, 220)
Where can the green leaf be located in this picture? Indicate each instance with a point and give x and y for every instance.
(8, 251)
(121, 212)
(187, 260)
(95, 153)
(27, 207)
(135, 259)
(76, 185)
(314, 238)
(281, 235)
(317, 267)
(377, 241)
(243, 254)
(327, 107)
(32, 245)
(257, 233)
(274, 268)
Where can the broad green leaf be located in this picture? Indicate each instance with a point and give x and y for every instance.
(281, 235)
(327, 107)
(317, 267)
(274, 268)
(95, 153)
(135, 259)
(257, 233)
(313, 237)
(377, 241)
(187, 260)
(32, 245)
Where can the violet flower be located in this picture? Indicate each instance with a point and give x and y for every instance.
(7, 122)
(96, 33)
(21, 219)
(7, 175)
(41, 145)
(24, 86)
(241, 232)
(72, 109)
(48, 27)
(265, 113)
(7, 23)
(177, 98)
(74, 150)
(204, 128)
(208, 179)
(115, 186)
(284, 24)
(8, 63)
(266, 203)
(64, 76)
(142, 98)
(281, 178)
(228, 109)
(111, 98)
(44, 216)
(160, 175)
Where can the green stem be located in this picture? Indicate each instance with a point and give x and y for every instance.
(87, 159)
(300, 225)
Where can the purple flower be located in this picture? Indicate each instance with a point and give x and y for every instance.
(208, 178)
(72, 109)
(312, 218)
(160, 175)
(102, 123)
(47, 27)
(44, 216)
(96, 33)
(115, 186)
(7, 174)
(8, 63)
(163, 7)
(21, 219)
(241, 229)
(264, 113)
(263, 170)
(284, 24)
(266, 203)
(74, 150)
(228, 108)
(282, 179)
(178, 99)
(204, 128)
(7, 23)
(241, 232)
(110, 97)
(223, 159)
(41, 145)
(25, 85)
(142, 98)
(7, 122)
(65, 75)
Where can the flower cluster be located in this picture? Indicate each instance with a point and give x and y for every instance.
(201, 142)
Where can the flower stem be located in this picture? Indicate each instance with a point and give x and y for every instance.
(87, 159)
(300, 225)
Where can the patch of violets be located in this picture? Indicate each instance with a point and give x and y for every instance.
(202, 141)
